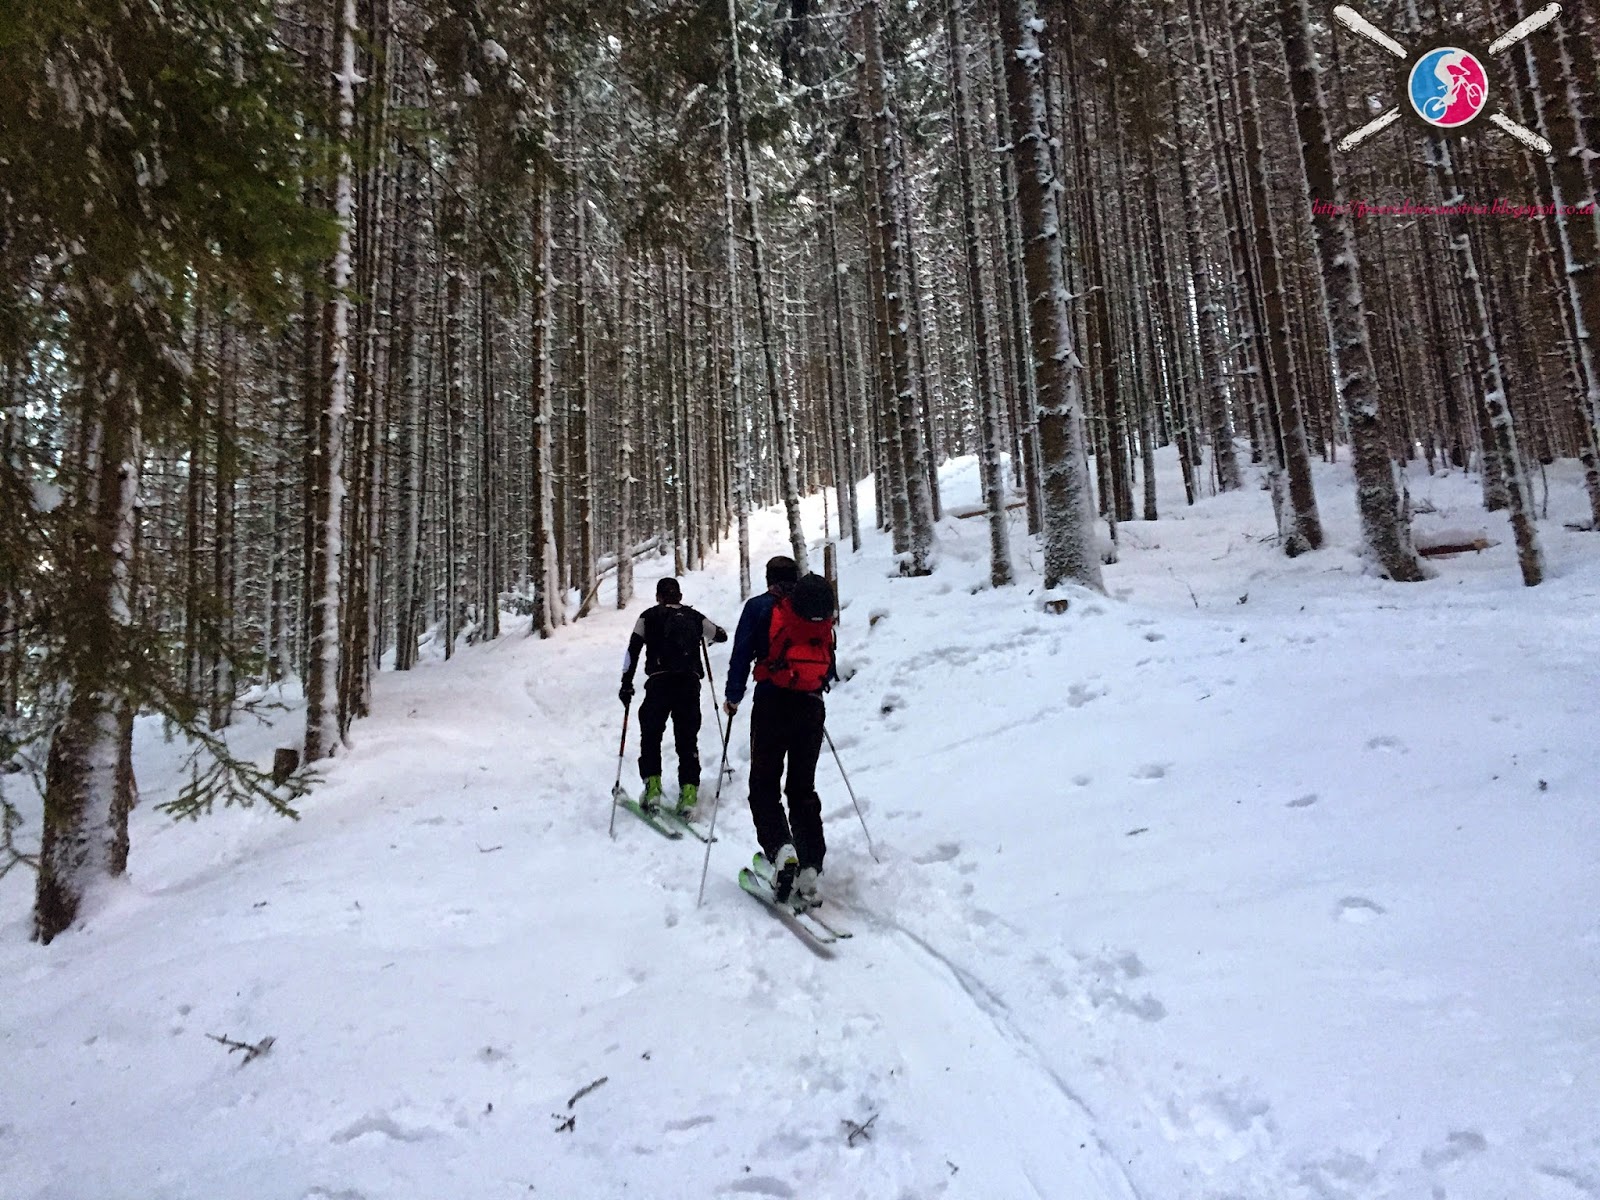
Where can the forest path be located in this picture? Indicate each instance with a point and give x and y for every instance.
(1179, 896)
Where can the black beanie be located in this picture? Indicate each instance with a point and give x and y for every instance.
(668, 591)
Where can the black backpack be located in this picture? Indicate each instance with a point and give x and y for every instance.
(813, 598)
(681, 631)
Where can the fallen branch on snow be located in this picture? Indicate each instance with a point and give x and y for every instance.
(250, 1052)
(586, 1089)
(855, 1131)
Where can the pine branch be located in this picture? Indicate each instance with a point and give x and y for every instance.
(236, 780)
(10, 856)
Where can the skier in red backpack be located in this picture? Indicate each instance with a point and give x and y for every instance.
(787, 633)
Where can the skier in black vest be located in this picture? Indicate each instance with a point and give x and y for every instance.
(787, 634)
(671, 635)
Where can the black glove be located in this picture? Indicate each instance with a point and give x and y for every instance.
(625, 694)
(722, 635)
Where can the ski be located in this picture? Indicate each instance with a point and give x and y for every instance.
(801, 922)
(837, 934)
(656, 820)
(760, 871)
(697, 831)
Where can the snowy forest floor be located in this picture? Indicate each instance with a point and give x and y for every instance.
(1258, 879)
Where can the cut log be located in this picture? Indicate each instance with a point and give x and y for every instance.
(1440, 543)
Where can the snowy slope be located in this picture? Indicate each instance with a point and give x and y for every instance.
(1259, 879)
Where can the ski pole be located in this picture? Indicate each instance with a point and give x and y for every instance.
(627, 706)
(711, 678)
(852, 792)
(716, 804)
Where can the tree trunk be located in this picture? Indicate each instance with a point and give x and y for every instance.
(1212, 351)
(994, 490)
(782, 426)
(543, 558)
(88, 779)
(1499, 430)
(1384, 522)
(1578, 238)
(322, 679)
(892, 250)
(741, 437)
(1070, 553)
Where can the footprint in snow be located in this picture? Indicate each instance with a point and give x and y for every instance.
(1358, 910)
(384, 1126)
(683, 1130)
(690, 1122)
(636, 977)
(1238, 1123)
(1078, 695)
(1305, 801)
(1580, 1184)
(1340, 1174)
(1109, 977)
(943, 852)
(761, 1185)
(1385, 742)
(1458, 1145)
(1152, 771)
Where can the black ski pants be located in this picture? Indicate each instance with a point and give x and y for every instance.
(787, 725)
(677, 697)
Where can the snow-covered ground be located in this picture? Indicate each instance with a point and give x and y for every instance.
(1259, 879)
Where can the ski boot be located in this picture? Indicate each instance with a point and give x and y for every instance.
(805, 889)
(651, 800)
(785, 866)
(688, 796)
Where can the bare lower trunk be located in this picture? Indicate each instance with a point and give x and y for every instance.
(88, 779)
(1304, 531)
(1070, 553)
(1499, 431)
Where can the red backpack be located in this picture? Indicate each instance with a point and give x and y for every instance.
(799, 649)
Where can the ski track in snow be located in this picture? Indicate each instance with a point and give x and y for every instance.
(1261, 881)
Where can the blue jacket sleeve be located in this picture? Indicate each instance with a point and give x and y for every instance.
(749, 645)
